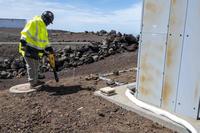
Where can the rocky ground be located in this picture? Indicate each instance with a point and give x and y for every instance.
(69, 56)
(70, 106)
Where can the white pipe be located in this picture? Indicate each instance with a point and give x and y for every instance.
(161, 112)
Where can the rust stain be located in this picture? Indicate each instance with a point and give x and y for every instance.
(174, 2)
(171, 70)
(173, 55)
(144, 63)
(167, 87)
(170, 52)
(166, 92)
(173, 52)
(147, 75)
(177, 16)
(144, 79)
(152, 13)
(173, 20)
(150, 72)
(176, 20)
(144, 90)
(152, 7)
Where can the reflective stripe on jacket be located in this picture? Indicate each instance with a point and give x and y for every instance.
(36, 35)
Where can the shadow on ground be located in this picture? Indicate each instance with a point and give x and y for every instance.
(63, 90)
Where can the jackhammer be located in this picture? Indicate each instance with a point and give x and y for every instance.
(52, 62)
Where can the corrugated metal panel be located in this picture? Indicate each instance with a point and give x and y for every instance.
(169, 75)
(139, 52)
(173, 55)
(151, 68)
(189, 84)
(152, 51)
(156, 14)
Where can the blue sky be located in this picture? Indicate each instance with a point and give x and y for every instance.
(80, 15)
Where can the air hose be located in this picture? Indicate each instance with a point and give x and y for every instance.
(161, 112)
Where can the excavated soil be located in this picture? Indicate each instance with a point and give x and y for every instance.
(70, 105)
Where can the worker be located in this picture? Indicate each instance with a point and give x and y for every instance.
(34, 43)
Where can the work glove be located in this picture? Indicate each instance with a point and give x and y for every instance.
(49, 50)
(23, 42)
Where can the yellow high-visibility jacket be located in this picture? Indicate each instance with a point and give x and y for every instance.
(36, 35)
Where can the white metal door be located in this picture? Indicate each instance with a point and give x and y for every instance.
(189, 82)
(173, 54)
(152, 50)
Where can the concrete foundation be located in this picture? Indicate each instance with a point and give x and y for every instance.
(122, 100)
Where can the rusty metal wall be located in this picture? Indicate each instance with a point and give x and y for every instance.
(152, 50)
(169, 69)
(189, 83)
(173, 53)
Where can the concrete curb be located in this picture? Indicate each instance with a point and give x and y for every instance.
(121, 100)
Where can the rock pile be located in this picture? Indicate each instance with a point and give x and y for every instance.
(114, 43)
(10, 68)
(75, 56)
